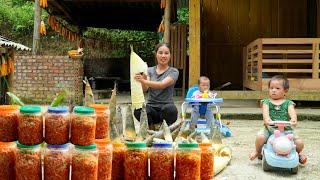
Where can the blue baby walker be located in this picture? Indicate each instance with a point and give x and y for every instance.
(203, 103)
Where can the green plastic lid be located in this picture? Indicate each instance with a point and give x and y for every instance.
(30, 109)
(19, 145)
(188, 145)
(83, 110)
(137, 144)
(89, 147)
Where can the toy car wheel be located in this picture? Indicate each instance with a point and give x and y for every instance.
(294, 170)
(265, 165)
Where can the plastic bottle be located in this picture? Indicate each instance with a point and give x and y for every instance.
(85, 162)
(30, 125)
(188, 161)
(57, 125)
(162, 161)
(7, 157)
(207, 161)
(102, 123)
(118, 154)
(28, 162)
(136, 161)
(83, 126)
(9, 123)
(105, 159)
(57, 162)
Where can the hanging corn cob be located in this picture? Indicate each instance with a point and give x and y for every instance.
(163, 4)
(161, 27)
(43, 3)
(43, 28)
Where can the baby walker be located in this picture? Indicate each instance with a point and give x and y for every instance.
(280, 150)
(203, 103)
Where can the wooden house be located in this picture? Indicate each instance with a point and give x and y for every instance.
(220, 33)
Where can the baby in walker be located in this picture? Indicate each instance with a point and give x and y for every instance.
(202, 110)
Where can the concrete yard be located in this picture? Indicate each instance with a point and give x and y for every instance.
(242, 143)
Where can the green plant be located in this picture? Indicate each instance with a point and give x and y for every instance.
(183, 15)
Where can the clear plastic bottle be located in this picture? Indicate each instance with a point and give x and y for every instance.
(28, 162)
(136, 161)
(7, 157)
(57, 162)
(207, 161)
(57, 125)
(83, 126)
(105, 159)
(118, 154)
(162, 161)
(102, 125)
(188, 161)
(9, 123)
(84, 163)
(30, 125)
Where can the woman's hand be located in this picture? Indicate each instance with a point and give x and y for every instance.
(293, 122)
(140, 77)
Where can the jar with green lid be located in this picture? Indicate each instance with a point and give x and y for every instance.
(57, 161)
(136, 161)
(207, 161)
(30, 125)
(105, 159)
(85, 162)
(7, 158)
(188, 161)
(28, 162)
(9, 123)
(57, 125)
(162, 161)
(102, 124)
(83, 126)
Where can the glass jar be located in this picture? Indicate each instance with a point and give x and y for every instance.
(207, 161)
(136, 161)
(9, 123)
(162, 161)
(188, 161)
(57, 162)
(102, 123)
(28, 162)
(83, 126)
(118, 154)
(7, 157)
(57, 125)
(84, 163)
(105, 159)
(30, 125)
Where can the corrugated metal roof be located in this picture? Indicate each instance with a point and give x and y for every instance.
(7, 43)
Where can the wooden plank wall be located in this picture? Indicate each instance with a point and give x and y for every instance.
(230, 25)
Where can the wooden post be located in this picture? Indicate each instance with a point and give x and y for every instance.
(167, 12)
(36, 28)
(318, 18)
(194, 41)
(315, 60)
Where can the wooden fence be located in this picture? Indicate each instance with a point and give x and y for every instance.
(295, 58)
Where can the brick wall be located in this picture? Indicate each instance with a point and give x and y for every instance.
(37, 79)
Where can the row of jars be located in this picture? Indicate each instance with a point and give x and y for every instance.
(26, 124)
(104, 161)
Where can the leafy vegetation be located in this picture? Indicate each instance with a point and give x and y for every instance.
(16, 22)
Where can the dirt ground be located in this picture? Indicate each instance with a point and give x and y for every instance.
(242, 143)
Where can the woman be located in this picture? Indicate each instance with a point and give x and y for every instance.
(159, 83)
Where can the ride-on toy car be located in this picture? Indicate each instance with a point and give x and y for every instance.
(280, 150)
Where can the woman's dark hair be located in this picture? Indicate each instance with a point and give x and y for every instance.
(284, 80)
(160, 45)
